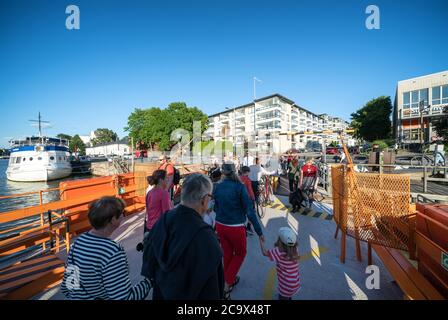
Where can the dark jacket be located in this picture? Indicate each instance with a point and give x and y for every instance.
(232, 204)
(183, 258)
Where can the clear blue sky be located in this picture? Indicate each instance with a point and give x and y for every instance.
(131, 54)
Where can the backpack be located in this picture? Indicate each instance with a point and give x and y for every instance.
(176, 176)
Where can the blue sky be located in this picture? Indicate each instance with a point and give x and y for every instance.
(130, 54)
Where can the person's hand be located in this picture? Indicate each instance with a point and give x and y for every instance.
(261, 238)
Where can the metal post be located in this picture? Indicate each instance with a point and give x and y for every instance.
(425, 180)
(234, 131)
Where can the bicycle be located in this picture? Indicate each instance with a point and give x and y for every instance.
(264, 196)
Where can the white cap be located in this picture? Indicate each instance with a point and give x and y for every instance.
(287, 236)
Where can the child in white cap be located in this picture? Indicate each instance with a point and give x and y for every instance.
(285, 255)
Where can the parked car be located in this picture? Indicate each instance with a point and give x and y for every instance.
(358, 159)
(332, 150)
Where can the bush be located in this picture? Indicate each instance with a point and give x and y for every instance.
(381, 143)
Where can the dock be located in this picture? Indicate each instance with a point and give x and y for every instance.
(323, 277)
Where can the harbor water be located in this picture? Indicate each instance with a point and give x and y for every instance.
(11, 187)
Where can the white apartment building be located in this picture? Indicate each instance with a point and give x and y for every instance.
(88, 139)
(430, 93)
(269, 123)
(109, 149)
(336, 125)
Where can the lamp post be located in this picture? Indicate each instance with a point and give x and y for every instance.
(422, 108)
(234, 130)
(255, 119)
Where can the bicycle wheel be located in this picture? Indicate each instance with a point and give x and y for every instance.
(261, 210)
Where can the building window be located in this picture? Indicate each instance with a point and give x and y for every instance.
(435, 95)
(445, 94)
(415, 99)
(424, 96)
(440, 94)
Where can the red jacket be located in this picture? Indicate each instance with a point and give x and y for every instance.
(248, 184)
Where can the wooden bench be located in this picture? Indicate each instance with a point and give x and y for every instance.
(413, 284)
(26, 279)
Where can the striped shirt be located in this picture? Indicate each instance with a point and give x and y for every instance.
(97, 268)
(287, 273)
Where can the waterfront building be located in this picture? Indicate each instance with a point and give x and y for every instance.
(269, 124)
(109, 149)
(428, 93)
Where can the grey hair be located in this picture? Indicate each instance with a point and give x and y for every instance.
(195, 187)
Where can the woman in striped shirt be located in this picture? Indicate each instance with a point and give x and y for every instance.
(286, 257)
(97, 267)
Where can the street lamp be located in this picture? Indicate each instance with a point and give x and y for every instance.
(422, 126)
(234, 130)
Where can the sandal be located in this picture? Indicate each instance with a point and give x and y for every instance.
(227, 295)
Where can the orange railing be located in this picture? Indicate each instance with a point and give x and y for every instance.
(53, 224)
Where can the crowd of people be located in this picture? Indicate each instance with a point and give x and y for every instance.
(194, 250)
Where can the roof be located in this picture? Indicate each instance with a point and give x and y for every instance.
(424, 76)
(262, 99)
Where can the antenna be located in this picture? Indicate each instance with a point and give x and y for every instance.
(40, 122)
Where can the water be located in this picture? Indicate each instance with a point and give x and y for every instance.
(11, 187)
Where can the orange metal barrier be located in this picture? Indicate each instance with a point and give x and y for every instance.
(373, 208)
(56, 222)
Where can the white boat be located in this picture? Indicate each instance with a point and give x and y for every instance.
(38, 159)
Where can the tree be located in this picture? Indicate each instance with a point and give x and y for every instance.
(104, 136)
(440, 125)
(64, 136)
(372, 121)
(77, 145)
(153, 127)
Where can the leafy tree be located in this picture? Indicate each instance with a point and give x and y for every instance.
(77, 145)
(64, 136)
(440, 125)
(372, 121)
(104, 136)
(153, 127)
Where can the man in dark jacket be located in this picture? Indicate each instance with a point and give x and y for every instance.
(182, 256)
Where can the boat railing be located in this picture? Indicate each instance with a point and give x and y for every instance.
(48, 227)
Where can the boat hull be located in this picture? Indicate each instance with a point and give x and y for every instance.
(42, 174)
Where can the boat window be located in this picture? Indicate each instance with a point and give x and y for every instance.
(23, 159)
(40, 158)
(51, 158)
(31, 158)
(60, 158)
(18, 160)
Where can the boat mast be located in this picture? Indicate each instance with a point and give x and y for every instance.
(40, 121)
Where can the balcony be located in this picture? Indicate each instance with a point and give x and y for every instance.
(415, 112)
(271, 106)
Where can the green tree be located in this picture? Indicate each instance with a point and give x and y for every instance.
(440, 125)
(64, 136)
(153, 127)
(77, 145)
(372, 121)
(104, 136)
